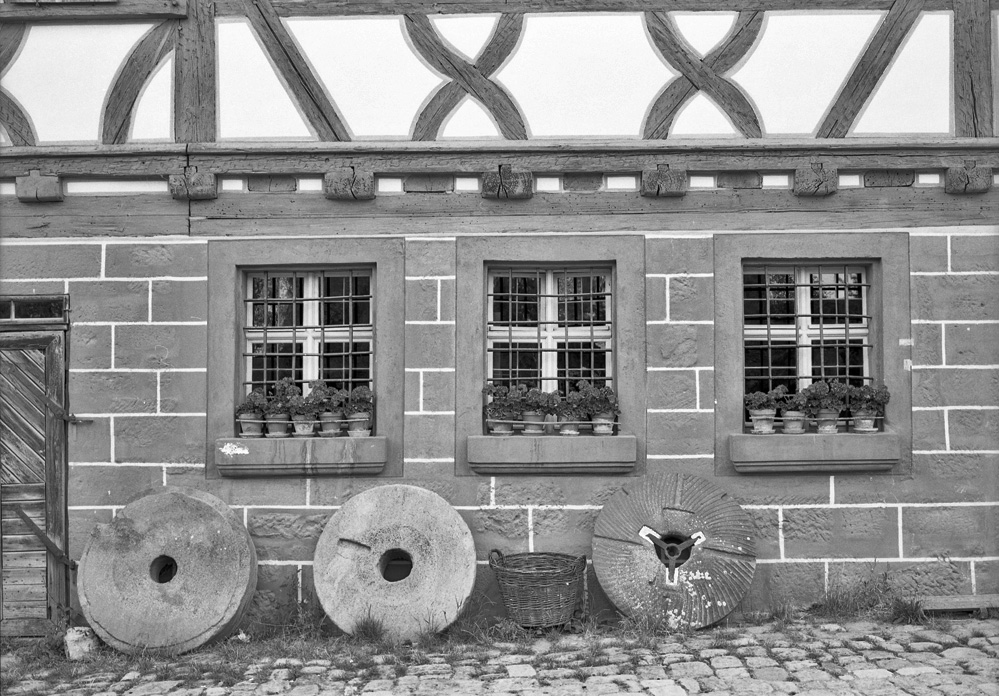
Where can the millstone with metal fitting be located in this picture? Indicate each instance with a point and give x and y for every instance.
(175, 570)
(675, 549)
(398, 555)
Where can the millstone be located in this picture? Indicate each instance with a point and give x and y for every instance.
(398, 555)
(173, 571)
(676, 549)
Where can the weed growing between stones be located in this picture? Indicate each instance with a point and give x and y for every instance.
(370, 629)
(875, 596)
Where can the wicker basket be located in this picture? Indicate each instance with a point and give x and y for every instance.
(539, 590)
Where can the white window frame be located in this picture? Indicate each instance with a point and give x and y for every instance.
(548, 333)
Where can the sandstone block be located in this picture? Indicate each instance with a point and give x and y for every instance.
(111, 392)
(946, 387)
(655, 299)
(672, 389)
(38, 188)
(778, 583)
(691, 299)
(928, 430)
(110, 485)
(430, 345)
(508, 183)
(161, 346)
(976, 253)
(349, 184)
(51, 261)
(81, 525)
(411, 391)
(974, 430)
(250, 492)
(533, 492)
(429, 436)
(30, 287)
(707, 396)
(110, 300)
(955, 297)
(987, 577)
(664, 183)
(839, 533)
(972, 344)
(766, 536)
(680, 345)
(968, 179)
(430, 257)
(286, 535)
(421, 300)
(681, 433)
(183, 392)
(156, 260)
(815, 181)
(928, 253)
(90, 347)
(90, 442)
(946, 531)
(927, 344)
(180, 300)
(680, 255)
(447, 300)
(438, 391)
(160, 439)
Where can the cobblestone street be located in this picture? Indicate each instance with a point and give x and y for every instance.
(953, 658)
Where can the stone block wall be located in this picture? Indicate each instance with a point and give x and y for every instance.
(137, 369)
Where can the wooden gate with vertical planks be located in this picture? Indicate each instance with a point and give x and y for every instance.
(34, 592)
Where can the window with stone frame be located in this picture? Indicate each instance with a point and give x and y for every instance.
(308, 325)
(549, 327)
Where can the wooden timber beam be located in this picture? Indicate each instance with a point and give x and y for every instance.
(12, 116)
(295, 70)
(83, 11)
(322, 8)
(872, 65)
(973, 116)
(195, 99)
(139, 66)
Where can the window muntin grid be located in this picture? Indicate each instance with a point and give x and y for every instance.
(805, 323)
(549, 327)
(308, 325)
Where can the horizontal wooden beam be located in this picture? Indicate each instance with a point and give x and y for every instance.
(85, 12)
(540, 157)
(304, 8)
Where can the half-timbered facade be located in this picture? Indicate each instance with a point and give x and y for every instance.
(686, 199)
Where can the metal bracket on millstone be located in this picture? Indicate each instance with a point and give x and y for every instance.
(193, 185)
(815, 181)
(670, 550)
(508, 183)
(664, 182)
(36, 188)
(968, 179)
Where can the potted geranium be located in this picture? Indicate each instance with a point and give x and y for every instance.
(762, 407)
(537, 406)
(329, 402)
(276, 411)
(824, 401)
(303, 412)
(358, 409)
(502, 407)
(250, 414)
(792, 411)
(602, 406)
(571, 411)
(867, 404)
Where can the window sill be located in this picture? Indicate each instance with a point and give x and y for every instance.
(308, 456)
(552, 454)
(811, 452)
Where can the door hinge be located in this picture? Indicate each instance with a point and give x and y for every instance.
(46, 540)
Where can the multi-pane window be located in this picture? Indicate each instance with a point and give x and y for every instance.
(308, 325)
(550, 327)
(805, 323)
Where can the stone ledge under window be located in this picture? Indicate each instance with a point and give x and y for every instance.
(308, 456)
(811, 452)
(552, 454)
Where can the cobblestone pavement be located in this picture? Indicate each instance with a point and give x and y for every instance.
(961, 657)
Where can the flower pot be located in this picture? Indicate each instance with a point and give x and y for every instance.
(358, 421)
(330, 422)
(500, 429)
(763, 420)
(603, 423)
(826, 420)
(250, 424)
(357, 432)
(277, 424)
(864, 421)
(533, 422)
(567, 427)
(304, 426)
(794, 422)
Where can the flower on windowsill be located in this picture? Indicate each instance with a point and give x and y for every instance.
(361, 400)
(765, 401)
(253, 404)
(281, 395)
(598, 400)
(540, 402)
(868, 398)
(824, 396)
(504, 404)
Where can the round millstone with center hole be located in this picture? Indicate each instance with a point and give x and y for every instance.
(675, 549)
(174, 570)
(398, 556)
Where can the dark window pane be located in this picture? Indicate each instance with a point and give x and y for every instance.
(837, 298)
(768, 298)
(767, 367)
(582, 360)
(286, 293)
(515, 300)
(276, 361)
(581, 299)
(347, 300)
(5, 309)
(516, 363)
(47, 308)
(839, 360)
(346, 365)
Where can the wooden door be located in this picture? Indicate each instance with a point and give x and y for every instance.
(33, 476)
